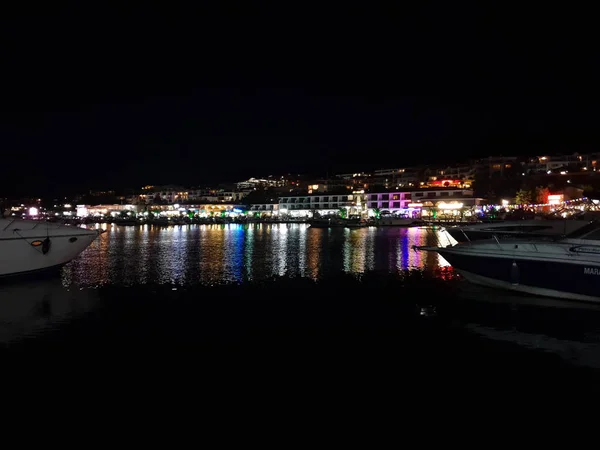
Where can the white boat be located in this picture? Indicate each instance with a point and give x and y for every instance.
(561, 267)
(337, 223)
(30, 246)
(397, 222)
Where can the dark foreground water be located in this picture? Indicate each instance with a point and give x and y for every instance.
(301, 310)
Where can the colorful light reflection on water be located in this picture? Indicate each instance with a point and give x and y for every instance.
(205, 254)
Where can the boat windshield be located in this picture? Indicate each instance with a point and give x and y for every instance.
(590, 231)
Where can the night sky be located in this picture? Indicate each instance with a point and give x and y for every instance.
(100, 98)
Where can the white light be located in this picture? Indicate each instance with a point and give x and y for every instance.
(555, 199)
(443, 205)
(176, 205)
(33, 211)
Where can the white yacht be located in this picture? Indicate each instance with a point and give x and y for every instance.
(553, 224)
(564, 267)
(30, 246)
(392, 221)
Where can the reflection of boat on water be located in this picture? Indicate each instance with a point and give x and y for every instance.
(483, 294)
(337, 223)
(566, 267)
(30, 308)
(31, 246)
(126, 222)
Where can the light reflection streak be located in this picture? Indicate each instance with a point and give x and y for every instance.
(171, 254)
(313, 251)
(411, 259)
(302, 249)
(279, 235)
(249, 250)
(347, 251)
(143, 239)
(404, 249)
(354, 250)
(132, 239)
(370, 248)
(233, 244)
(216, 253)
(211, 265)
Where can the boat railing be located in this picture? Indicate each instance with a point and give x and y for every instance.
(465, 235)
(497, 241)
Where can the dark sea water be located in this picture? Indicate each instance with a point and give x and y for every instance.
(290, 296)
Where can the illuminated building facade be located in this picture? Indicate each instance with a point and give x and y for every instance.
(390, 201)
(257, 183)
(445, 203)
(306, 205)
(267, 209)
(397, 178)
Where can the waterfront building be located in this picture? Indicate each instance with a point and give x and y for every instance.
(200, 209)
(462, 172)
(397, 178)
(394, 202)
(423, 202)
(323, 204)
(162, 194)
(561, 163)
(266, 209)
(261, 183)
(107, 210)
(497, 165)
(446, 203)
(216, 195)
(156, 195)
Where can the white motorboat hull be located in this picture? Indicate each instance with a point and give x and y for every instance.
(566, 268)
(394, 222)
(28, 247)
(560, 272)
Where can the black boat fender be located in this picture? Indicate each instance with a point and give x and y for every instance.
(46, 244)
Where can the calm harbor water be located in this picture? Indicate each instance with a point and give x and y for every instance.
(152, 286)
(205, 254)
